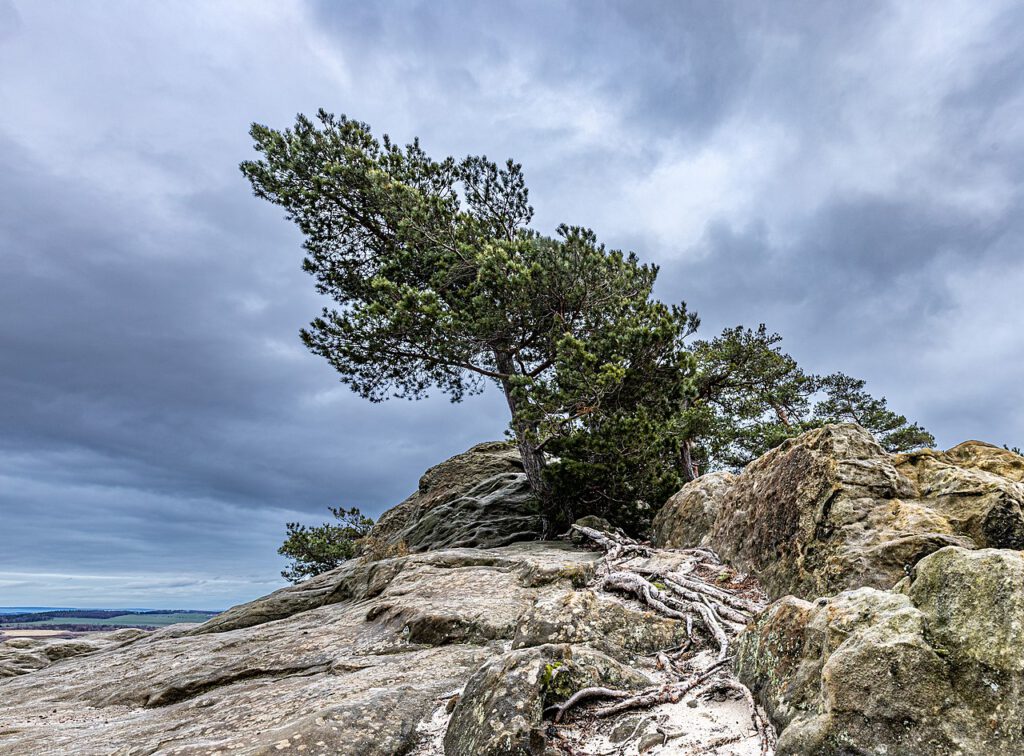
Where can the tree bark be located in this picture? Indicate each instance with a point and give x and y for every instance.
(533, 457)
(689, 466)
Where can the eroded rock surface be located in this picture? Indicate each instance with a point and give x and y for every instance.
(479, 499)
(445, 653)
(350, 665)
(933, 670)
(831, 510)
(500, 711)
(19, 656)
(457, 651)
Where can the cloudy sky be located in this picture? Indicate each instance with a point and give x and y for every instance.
(848, 173)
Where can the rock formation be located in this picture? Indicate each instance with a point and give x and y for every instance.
(920, 651)
(831, 510)
(479, 498)
(373, 658)
(898, 627)
(934, 668)
(19, 656)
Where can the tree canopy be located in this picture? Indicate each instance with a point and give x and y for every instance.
(750, 396)
(317, 549)
(438, 282)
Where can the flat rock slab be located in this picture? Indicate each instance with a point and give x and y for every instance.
(351, 664)
(367, 660)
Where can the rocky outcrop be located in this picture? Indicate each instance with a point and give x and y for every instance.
(374, 659)
(904, 634)
(935, 668)
(350, 665)
(19, 656)
(478, 499)
(500, 711)
(830, 510)
(688, 516)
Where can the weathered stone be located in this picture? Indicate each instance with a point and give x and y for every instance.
(964, 486)
(371, 658)
(366, 654)
(597, 619)
(499, 713)
(687, 516)
(831, 510)
(936, 670)
(985, 587)
(988, 458)
(478, 499)
(19, 656)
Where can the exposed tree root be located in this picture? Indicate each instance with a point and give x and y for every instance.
(662, 694)
(765, 732)
(680, 594)
(585, 694)
(616, 548)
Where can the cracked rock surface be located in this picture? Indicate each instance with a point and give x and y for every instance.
(830, 510)
(349, 665)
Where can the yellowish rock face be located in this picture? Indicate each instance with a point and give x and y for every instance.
(831, 510)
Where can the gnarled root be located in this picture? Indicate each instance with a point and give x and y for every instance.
(722, 613)
(580, 696)
(663, 694)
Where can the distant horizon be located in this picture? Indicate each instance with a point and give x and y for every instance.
(42, 609)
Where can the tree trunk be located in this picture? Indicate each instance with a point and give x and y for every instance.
(689, 466)
(533, 458)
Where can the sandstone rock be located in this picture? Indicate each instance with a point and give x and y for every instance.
(975, 488)
(988, 458)
(350, 665)
(687, 517)
(479, 499)
(499, 713)
(371, 659)
(597, 619)
(19, 656)
(830, 510)
(933, 671)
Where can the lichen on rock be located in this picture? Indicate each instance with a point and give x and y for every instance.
(934, 670)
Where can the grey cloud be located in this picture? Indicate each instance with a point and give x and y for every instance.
(847, 173)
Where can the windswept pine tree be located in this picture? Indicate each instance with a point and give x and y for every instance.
(438, 282)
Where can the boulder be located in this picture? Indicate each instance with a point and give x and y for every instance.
(935, 669)
(500, 711)
(687, 517)
(831, 510)
(478, 499)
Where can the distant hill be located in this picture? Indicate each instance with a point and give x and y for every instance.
(30, 609)
(85, 619)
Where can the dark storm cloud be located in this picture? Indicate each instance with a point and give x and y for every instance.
(847, 173)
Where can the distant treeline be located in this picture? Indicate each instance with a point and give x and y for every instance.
(35, 617)
(73, 628)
